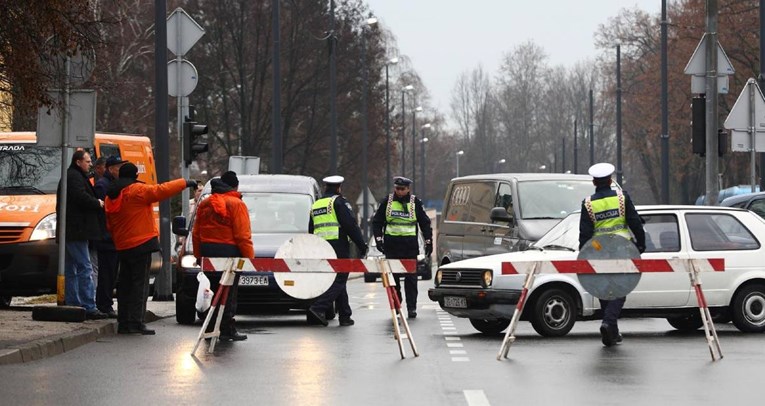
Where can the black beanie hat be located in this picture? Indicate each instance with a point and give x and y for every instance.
(230, 179)
(129, 170)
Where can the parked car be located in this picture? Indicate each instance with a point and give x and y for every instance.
(556, 301)
(504, 212)
(279, 206)
(424, 263)
(750, 201)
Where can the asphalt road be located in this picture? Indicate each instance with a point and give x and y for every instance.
(286, 362)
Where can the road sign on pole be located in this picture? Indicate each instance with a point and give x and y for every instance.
(187, 81)
(747, 120)
(182, 32)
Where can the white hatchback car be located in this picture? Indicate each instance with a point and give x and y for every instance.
(476, 289)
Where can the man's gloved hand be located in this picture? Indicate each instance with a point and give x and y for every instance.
(191, 183)
(380, 245)
(428, 247)
(641, 249)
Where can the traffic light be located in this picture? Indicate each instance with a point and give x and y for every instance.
(192, 144)
(698, 125)
(722, 141)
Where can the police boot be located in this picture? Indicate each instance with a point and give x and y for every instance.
(229, 333)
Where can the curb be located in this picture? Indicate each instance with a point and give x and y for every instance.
(61, 343)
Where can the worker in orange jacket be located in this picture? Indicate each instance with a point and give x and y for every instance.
(222, 229)
(130, 219)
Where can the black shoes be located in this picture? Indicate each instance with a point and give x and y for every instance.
(329, 314)
(96, 315)
(347, 322)
(610, 335)
(133, 330)
(110, 314)
(232, 335)
(315, 318)
(412, 314)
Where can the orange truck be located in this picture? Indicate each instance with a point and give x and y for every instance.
(29, 177)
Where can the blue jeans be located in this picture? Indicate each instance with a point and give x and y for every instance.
(79, 289)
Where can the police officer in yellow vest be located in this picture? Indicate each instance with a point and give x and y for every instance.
(609, 212)
(395, 229)
(332, 220)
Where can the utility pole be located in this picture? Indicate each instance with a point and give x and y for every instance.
(712, 186)
(576, 150)
(276, 136)
(619, 170)
(664, 108)
(592, 134)
(761, 81)
(332, 91)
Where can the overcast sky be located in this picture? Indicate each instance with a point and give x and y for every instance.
(444, 38)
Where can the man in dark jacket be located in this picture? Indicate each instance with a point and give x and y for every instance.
(82, 225)
(332, 220)
(107, 254)
(395, 229)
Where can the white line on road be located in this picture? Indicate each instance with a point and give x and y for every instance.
(455, 345)
(457, 352)
(452, 338)
(476, 397)
(460, 359)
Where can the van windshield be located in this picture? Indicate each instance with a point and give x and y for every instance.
(26, 168)
(552, 199)
(278, 212)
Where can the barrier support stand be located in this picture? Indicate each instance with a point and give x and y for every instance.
(509, 334)
(220, 299)
(395, 311)
(709, 327)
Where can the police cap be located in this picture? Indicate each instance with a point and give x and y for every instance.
(401, 181)
(601, 170)
(334, 180)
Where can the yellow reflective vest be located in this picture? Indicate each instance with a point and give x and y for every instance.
(400, 219)
(608, 215)
(325, 223)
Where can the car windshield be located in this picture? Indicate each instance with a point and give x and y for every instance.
(26, 168)
(278, 212)
(552, 199)
(564, 234)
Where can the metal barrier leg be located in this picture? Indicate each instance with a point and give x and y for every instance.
(210, 311)
(395, 311)
(709, 327)
(509, 334)
(219, 302)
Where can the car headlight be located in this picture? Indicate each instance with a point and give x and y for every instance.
(437, 279)
(486, 278)
(45, 229)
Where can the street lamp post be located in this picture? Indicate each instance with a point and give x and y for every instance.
(391, 61)
(460, 152)
(403, 127)
(365, 133)
(414, 141)
(423, 140)
(332, 92)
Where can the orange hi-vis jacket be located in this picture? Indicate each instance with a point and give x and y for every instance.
(130, 216)
(223, 218)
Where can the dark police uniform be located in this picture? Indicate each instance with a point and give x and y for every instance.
(609, 211)
(332, 219)
(395, 229)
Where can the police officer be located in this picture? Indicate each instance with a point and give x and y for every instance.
(332, 220)
(395, 229)
(609, 212)
(222, 229)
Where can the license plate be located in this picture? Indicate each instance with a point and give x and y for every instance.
(455, 301)
(253, 280)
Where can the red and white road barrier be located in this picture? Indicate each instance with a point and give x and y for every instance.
(616, 266)
(396, 266)
(605, 266)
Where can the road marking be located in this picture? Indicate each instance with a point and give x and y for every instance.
(476, 397)
(449, 333)
(460, 359)
(448, 328)
(452, 338)
(457, 352)
(455, 345)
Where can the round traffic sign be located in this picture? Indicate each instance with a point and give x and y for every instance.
(609, 286)
(305, 285)
(188, 76)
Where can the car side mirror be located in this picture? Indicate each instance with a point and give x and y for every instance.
(179, 226)
(500, 214)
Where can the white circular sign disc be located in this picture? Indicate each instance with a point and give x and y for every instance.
(305, 285)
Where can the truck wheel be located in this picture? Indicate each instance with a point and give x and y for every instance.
(553, 313)
(749, 309)
(690, 322)
(5, 302)
(185, 312)
(490, 327)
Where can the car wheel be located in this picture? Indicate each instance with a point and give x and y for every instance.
(749, 309)
(368, 278)
(553, 313)
(490, 326)
(5, 302)
(689, 322)
(185, 312)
